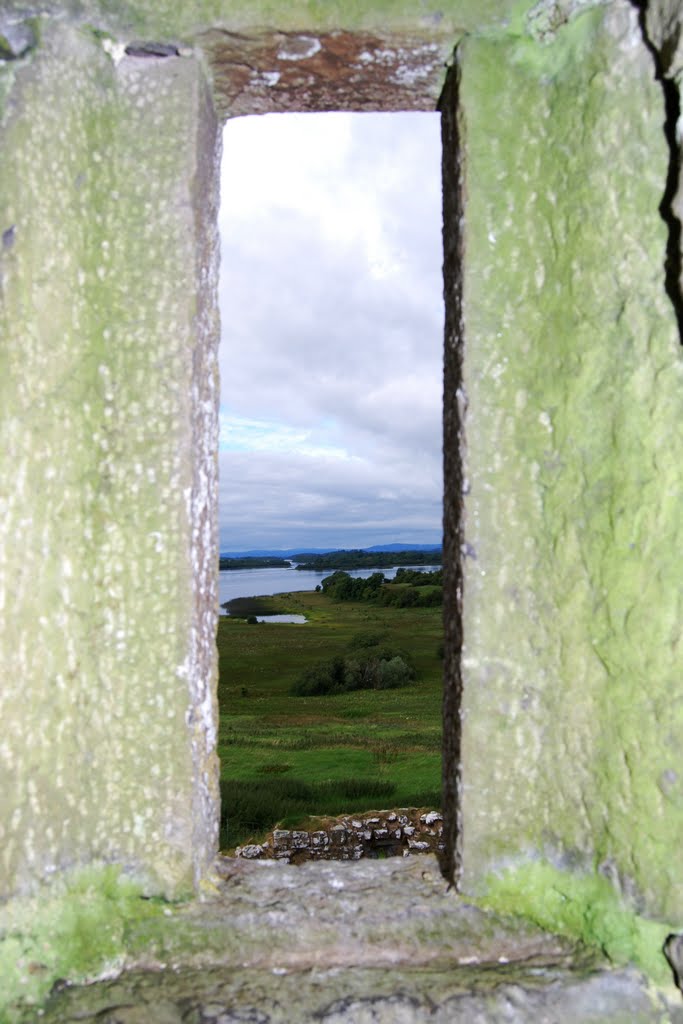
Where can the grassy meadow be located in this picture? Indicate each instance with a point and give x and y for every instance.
(285, 757)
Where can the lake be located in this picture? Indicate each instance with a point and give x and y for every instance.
(234, 583)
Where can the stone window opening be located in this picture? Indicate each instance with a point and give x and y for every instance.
(107, 265)
(229, 338)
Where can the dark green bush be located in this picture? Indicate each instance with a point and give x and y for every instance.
(325, 677)
(384, 669)
(365, 639)
(393, 673)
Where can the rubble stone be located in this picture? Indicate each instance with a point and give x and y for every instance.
(377, 835)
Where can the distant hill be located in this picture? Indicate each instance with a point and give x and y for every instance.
(271, 553)
(279, 553)
(402, 547)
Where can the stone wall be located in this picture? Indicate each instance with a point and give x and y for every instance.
(108, 392)
(572, 379)
(376, 835)
(563, 391)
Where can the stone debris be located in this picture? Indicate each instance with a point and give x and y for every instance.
(376, 835)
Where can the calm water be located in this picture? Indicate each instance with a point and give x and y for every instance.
(298, 619)
(256, 582)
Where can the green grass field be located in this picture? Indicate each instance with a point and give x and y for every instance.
(283, 757)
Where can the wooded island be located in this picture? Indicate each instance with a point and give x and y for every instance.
(358, 559)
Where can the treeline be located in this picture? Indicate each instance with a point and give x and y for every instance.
(253, 562)
(410, 588)
(358, 559)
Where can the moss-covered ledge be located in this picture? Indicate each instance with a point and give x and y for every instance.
(296, 940)
(572, 716)
(384, 55)
(451, 18)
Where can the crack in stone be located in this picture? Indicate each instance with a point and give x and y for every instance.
(152, 50)
(453, 446)
(673, 260)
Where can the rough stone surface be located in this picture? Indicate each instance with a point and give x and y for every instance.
(277, 71)
(572, 722)
(664, 21)
(379, 834)
(16, 39)
(354, 942)
(540, 992)
(108, 435)
(573, 381)
(431, 18)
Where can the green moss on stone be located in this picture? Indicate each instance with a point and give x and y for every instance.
(79, 929)
(573, 377)
(167, 19)
(100, 340)
(586, 908)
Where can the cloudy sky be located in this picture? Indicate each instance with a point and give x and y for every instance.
(332, 312)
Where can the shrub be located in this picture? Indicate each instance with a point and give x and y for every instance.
(385, 669)
(393, 674)
(365, 639)
(325, 677)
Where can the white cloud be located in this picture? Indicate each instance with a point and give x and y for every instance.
(332, 313)
(307, 501)
(239, 434)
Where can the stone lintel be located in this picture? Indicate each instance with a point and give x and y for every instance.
(274, 72)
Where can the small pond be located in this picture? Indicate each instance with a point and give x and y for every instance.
(281, 618)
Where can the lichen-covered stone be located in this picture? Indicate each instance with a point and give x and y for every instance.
(17, 39)
(664, 23)
(572, 724)
(384, 55)
(355, 942)
(449, 18)
(573, 377)
(496, 994)
(281, 943)
(273, 71)
(107, 459)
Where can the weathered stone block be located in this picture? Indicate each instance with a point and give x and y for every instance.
(107, 455)
(572, 719)
(573, 380)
